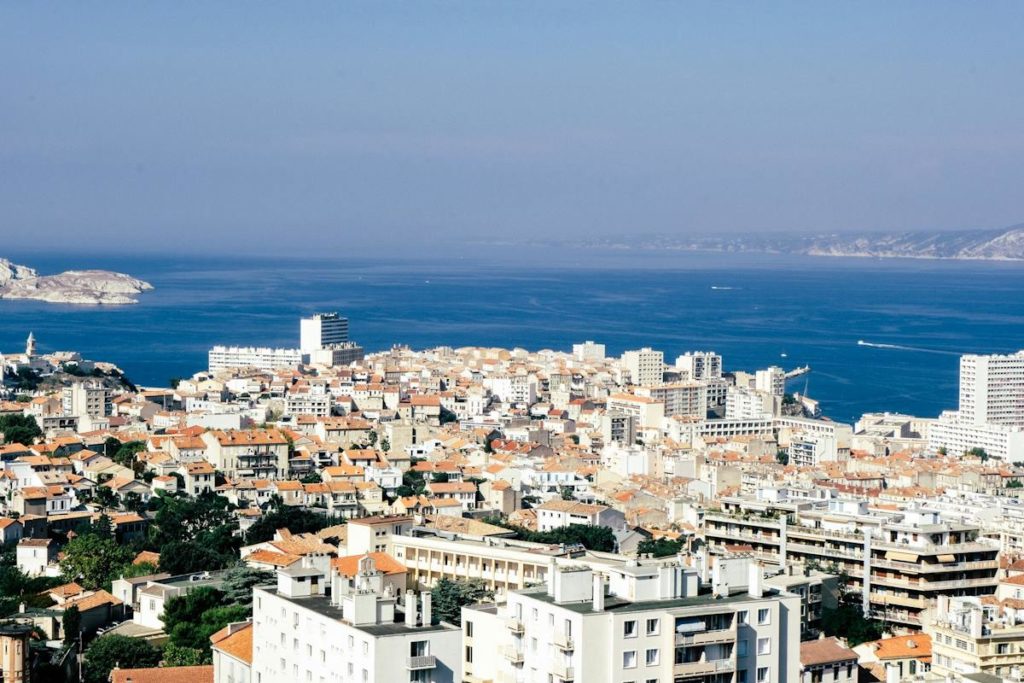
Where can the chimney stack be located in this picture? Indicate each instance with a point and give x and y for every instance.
(410, 609)
(754, 582)
(598, 592)
(428, 615)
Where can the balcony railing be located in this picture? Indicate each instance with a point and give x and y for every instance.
(563, 672)
(704, 668)
(514, 625)
(421, 662)
(563, 641)
(512, 654)
(724, 635)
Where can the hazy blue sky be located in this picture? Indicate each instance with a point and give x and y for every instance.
(182, 125)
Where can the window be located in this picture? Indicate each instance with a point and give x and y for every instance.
(469, 629)
(651, 657)
(469, 654)
(629, 629)
(764, 646)
(762, 674)
(652, 627)
(742, 616)
(763, 616)
(629, 659)
(741, 648)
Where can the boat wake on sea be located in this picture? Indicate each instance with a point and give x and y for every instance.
(900, 347)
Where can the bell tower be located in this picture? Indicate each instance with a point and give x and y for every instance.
(30, 345)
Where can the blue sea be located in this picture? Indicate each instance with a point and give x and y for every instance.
(752, 309)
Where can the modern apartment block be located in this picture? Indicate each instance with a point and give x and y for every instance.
(900, 562)
(646, 367)
(322, 626)
(699, 366)
(992, 389)
(261, 358)
(588, 351)
(86, 399)
(655, 622)
(322, 330)
(991, 412)
(680, 398)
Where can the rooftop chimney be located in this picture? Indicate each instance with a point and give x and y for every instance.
(410, 609)
(598, 592)
(754, 583)
(428, 615)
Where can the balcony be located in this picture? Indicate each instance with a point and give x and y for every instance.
(512, 654)
(704, 668)
(515, 625)
(724, 635)
(563, 641)
(563, 672)
(421, 663)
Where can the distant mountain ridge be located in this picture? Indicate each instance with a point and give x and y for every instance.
(992, 245)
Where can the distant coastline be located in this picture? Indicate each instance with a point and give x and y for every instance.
(971, 245)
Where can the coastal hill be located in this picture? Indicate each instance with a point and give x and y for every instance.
(993, 245)
(88, 287)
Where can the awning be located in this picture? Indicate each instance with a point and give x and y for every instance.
(947, 558)
(901, 556)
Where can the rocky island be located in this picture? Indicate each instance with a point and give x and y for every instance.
(86, 287)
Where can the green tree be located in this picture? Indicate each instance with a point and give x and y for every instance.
(71, 624)
(567, 493)
(295, 519)
(191, 619)
(662, 547)
(240, 580)
(19, 429)
(95, 558)
(448, 598)
(175, 655)
(127, 454)
(185, 557)
(847, 619)
(107, 652)
(978, 452)
(1014, 484)
(181, 518)
(782, 456)
(385, 444)
(312, 478)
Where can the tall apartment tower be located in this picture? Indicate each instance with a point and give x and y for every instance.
(646, 367)
(320, 330)
(992, 389)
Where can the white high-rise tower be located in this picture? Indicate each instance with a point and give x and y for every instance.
(320, 330)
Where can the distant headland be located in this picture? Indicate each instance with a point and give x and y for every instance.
(83, 287)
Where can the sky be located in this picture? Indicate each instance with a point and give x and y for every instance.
(321, 125)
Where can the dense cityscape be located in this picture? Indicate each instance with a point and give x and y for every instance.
(321, 513)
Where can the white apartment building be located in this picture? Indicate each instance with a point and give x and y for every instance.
(320, 330)
(991, 414)
(956, 436)
(742, 403)
(680, 398)
(558, 513)
(810, 450)
(258, 453)
(518, 388)
(654, 622)
(83, 399)
(771, 380)
(357, 633)
(700, 366)
(646, 367)
(648, 412)
(261, 358)
(992, 389)
(588, 352)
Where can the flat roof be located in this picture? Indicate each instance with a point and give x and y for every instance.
(613, 604)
